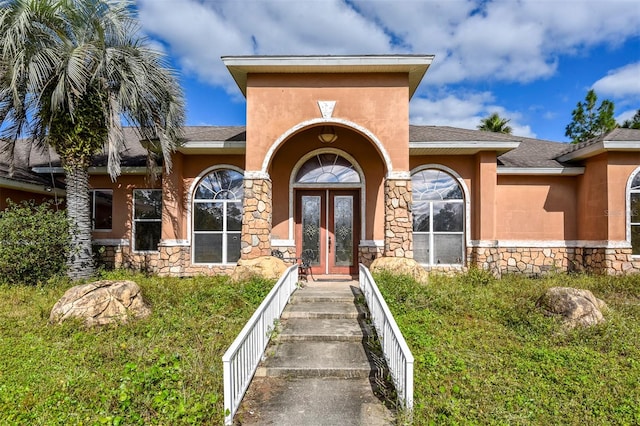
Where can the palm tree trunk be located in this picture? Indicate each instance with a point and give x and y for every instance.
(80, 262)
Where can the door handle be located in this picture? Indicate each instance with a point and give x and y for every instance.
(329, 243)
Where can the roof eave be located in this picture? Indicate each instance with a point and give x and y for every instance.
(31, 187)
(540, 171)
(599, 148)
(100, 170)
(213, 147)
(460, 148)
(414, 65)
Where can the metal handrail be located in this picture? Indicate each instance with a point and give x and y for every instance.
(396, 351)
(240, 361)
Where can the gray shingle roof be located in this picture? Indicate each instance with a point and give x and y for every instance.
(532, 153)
(618, 134)
(445, 133)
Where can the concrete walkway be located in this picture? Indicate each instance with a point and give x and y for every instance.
(324, 367)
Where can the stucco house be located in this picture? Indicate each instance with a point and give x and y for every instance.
(329, 163)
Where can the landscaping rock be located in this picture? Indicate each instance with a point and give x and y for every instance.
(400, 266)
(101, 302)
(268, 267)
(574, 306)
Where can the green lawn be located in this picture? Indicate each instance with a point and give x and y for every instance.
(484, 355)
(166, 369)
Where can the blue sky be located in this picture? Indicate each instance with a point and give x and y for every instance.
(529, 60)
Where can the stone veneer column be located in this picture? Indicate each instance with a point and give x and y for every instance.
(256, 220)
(398, 224)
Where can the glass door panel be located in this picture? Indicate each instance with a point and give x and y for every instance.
(311, 225)
(343, 230)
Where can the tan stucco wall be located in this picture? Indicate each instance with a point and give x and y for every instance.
(186, 170)
(277, 103)
(591, 200)
(19, 196)
(536, 208)
(122, 201)
(621, 166)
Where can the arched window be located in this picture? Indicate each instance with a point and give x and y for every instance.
(634, 213)
(438, 218)
(327, 168)
(217, 217)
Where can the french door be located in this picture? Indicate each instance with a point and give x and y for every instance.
(327, 224)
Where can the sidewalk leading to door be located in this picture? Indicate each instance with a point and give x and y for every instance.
(323, 368)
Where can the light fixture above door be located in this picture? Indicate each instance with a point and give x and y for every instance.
(328, 134)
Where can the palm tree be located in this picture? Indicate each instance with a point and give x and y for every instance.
(70, 72)
(494, 123)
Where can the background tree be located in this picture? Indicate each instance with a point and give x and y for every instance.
(634, 123)
(70, 71)
(495, 123)
(589, 121)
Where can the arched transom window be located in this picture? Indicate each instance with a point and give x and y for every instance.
(327, 168)
(438, 218)
(217, 217)
(634, 214)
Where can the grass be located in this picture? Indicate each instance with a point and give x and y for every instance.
(166, 369)
(485, 355)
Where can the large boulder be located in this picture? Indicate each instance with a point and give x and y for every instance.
(268, 267)
(575, 307)
(101, 302)
(400, 266)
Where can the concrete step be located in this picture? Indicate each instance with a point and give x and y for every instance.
(302, 296)
(325, 310)
(303, 329)
(316, 359)
(313, 401)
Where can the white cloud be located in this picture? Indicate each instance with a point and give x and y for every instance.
(200, 32)
(463, 111)
(620, 83)
(472, 39)
(626, 115)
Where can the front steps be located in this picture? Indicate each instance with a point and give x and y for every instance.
(323, 368)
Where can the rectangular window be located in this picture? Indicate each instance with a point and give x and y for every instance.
(634, 217)
(217, 225)
(147, 219)
(102, 209)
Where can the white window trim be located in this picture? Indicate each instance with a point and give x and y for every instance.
(433, 233)
(191, 200)
(466, 228)
(628, 193)
(93, 210)
(134, 220)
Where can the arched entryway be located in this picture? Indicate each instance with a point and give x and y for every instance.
(344, 180)
(328, 189)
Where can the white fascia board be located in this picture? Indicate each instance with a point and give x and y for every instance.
(468, 146)
(202, 147)
(599, 148)
(98, 170)
(31, 187)
(414, 65)
(541, 171)
(327, 61)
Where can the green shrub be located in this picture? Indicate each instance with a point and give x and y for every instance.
(34, 243)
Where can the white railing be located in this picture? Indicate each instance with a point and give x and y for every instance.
(241, 360)
(395, 349)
